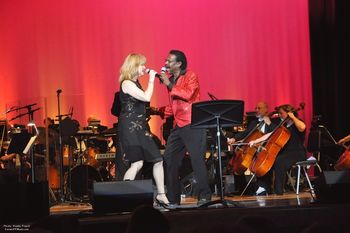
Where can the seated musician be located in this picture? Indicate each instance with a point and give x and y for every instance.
(262, 114)
(8, 173)
(292, 152)
(9, 170)
(95, 124)
(264, 125)
(98, 143)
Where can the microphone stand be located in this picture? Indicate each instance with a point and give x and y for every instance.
(62, 193)
(31, 152)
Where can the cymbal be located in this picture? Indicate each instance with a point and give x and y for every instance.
(109, 132)
(85, 133)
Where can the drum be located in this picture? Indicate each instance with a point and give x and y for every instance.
(54, 177)
(67, 155)
(82, 178)
(90, 157)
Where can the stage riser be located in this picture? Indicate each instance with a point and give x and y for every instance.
(287, 220)
(23, 202)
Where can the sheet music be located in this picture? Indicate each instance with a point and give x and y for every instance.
(29, 145)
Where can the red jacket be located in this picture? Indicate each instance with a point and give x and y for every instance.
(184, 92)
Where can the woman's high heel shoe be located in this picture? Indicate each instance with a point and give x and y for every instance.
(162, 200)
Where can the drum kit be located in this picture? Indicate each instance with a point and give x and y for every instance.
(87, 157)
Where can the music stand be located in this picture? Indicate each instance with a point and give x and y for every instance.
(19, 143)
(217, 114)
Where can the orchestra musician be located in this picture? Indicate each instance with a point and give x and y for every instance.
(95, 142)
(8, 173)
(292, 152)
(121, 166)
(262, 114)
(261, 125)
(343, 162)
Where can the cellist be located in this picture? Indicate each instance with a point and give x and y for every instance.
(262, 123)
(262, 114)
(292, 152)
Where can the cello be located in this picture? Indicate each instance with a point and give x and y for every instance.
(265, 159)
(244, 154)
(343, 163)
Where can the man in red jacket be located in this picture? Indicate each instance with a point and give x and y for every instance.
(183, 89)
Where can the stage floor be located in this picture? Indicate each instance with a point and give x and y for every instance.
(286, 200)
(289, 213)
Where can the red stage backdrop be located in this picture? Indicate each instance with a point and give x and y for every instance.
(247, 50)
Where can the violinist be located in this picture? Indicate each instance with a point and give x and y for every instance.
(292, 152)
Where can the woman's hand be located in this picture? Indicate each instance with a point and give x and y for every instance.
(152, 76)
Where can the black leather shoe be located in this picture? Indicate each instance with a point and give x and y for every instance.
(203, 201)
(173, 206)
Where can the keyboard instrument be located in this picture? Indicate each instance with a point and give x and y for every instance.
(105, 156)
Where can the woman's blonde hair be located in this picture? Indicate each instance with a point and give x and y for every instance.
(129, 69)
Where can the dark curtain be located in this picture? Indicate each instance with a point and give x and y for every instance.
(329, 39)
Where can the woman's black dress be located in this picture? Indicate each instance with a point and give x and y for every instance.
(135, 137)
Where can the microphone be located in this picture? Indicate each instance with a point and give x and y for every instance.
(10, 109)
(212, 97)
(59, 91)
(162, 70)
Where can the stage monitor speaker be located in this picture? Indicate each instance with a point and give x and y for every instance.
(333, 187)
(23, 202)
(121, 196)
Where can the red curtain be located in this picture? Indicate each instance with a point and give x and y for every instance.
(249, 50)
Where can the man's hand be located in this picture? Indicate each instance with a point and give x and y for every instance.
(267, 120)
(252, 143)
(230, 141)
(164, 79)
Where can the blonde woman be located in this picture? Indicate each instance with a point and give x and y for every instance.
(135, 138)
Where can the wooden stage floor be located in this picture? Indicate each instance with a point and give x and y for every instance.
(289, 213)
(288, 199)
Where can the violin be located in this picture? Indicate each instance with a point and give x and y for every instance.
(265, 159)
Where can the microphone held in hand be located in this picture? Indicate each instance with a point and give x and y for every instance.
(163, 69)
(212, 97)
